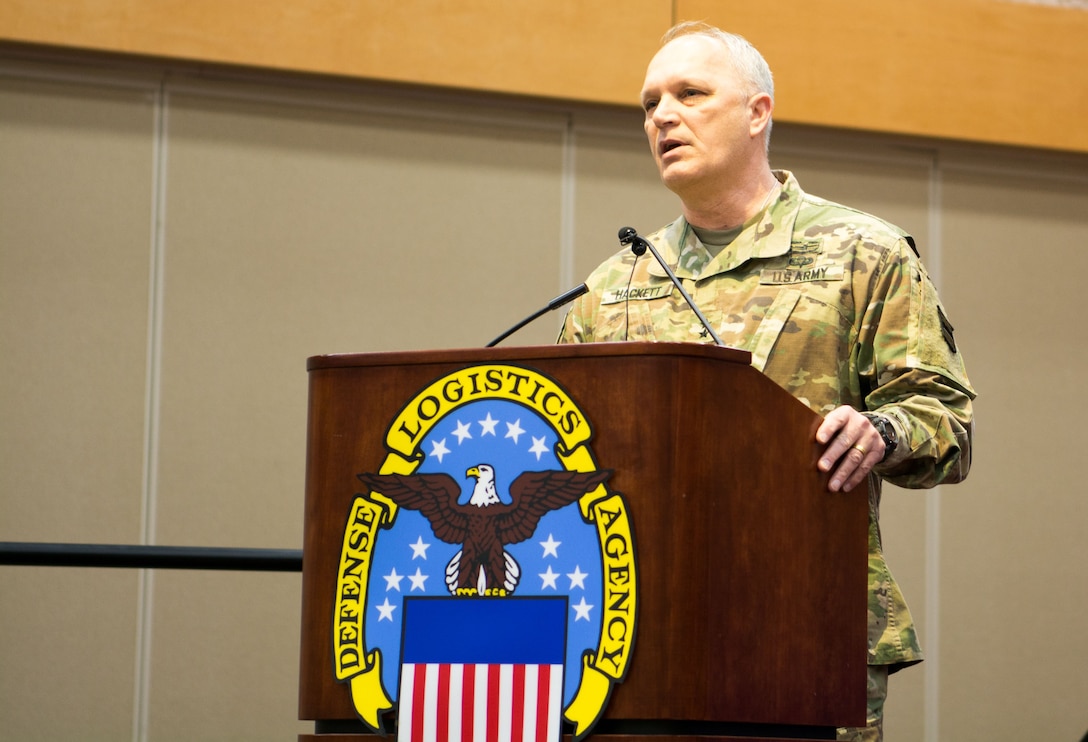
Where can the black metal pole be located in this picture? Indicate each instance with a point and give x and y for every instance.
(149, 557)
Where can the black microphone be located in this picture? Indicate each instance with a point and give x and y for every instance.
(639, 245)
(565, 298)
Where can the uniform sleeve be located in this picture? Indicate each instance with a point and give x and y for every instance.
(909, 359)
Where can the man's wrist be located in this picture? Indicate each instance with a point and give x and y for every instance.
(888, 433)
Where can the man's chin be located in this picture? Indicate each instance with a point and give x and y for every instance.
(675, 178)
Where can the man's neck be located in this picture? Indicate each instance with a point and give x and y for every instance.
(730, 206)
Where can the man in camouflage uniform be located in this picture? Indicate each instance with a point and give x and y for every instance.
(833, 304)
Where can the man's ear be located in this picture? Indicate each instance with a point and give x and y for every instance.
(760, 107)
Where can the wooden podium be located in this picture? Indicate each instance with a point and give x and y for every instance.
(751, 575)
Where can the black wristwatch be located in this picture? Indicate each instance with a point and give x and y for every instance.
(887, 432)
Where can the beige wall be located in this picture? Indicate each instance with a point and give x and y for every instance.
(173, 247)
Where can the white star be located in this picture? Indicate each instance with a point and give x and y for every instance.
(417, 581)
(538, 447)
(488, 425)
(514, 430)
(419, 549)
(581, 610)
(462, 432)
(439, 449)
(577, 577)
(551, 546)
(392, 580)
(548, 579)
(385, 610)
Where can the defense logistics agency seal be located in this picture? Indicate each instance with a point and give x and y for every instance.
(487, 574)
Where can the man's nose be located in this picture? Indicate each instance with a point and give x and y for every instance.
(664, 113)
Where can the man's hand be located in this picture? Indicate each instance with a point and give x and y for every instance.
(854, 447)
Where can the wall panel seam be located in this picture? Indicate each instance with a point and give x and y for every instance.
(555, 119)
(892, 156)
(153, 406)
(932, 666)
(39, 72)
(1044, 168)
(567, 206)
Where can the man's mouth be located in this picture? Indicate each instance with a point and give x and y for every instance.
(668, 146)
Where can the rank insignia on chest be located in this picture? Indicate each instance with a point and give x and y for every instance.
(804, 253)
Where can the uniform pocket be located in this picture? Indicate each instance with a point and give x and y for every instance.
(770, 328)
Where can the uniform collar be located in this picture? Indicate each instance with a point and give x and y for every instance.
(768, 236)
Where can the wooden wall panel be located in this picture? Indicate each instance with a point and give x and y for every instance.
(551, 48)
(992, 71)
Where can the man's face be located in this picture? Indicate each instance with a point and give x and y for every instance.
(698, 119)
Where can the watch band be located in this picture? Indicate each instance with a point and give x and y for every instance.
(886, 428)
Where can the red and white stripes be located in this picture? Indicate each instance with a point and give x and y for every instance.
(480, 703)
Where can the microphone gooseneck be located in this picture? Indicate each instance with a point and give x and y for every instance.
(565, 298)
(639, 245)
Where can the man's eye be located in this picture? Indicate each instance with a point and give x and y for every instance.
(689, 93)
(649, 105)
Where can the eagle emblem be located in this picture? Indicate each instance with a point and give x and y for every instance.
(484, 525)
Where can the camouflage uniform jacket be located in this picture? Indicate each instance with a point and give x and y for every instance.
(835, 307)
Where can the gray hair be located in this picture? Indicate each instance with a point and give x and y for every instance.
(747, 60)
